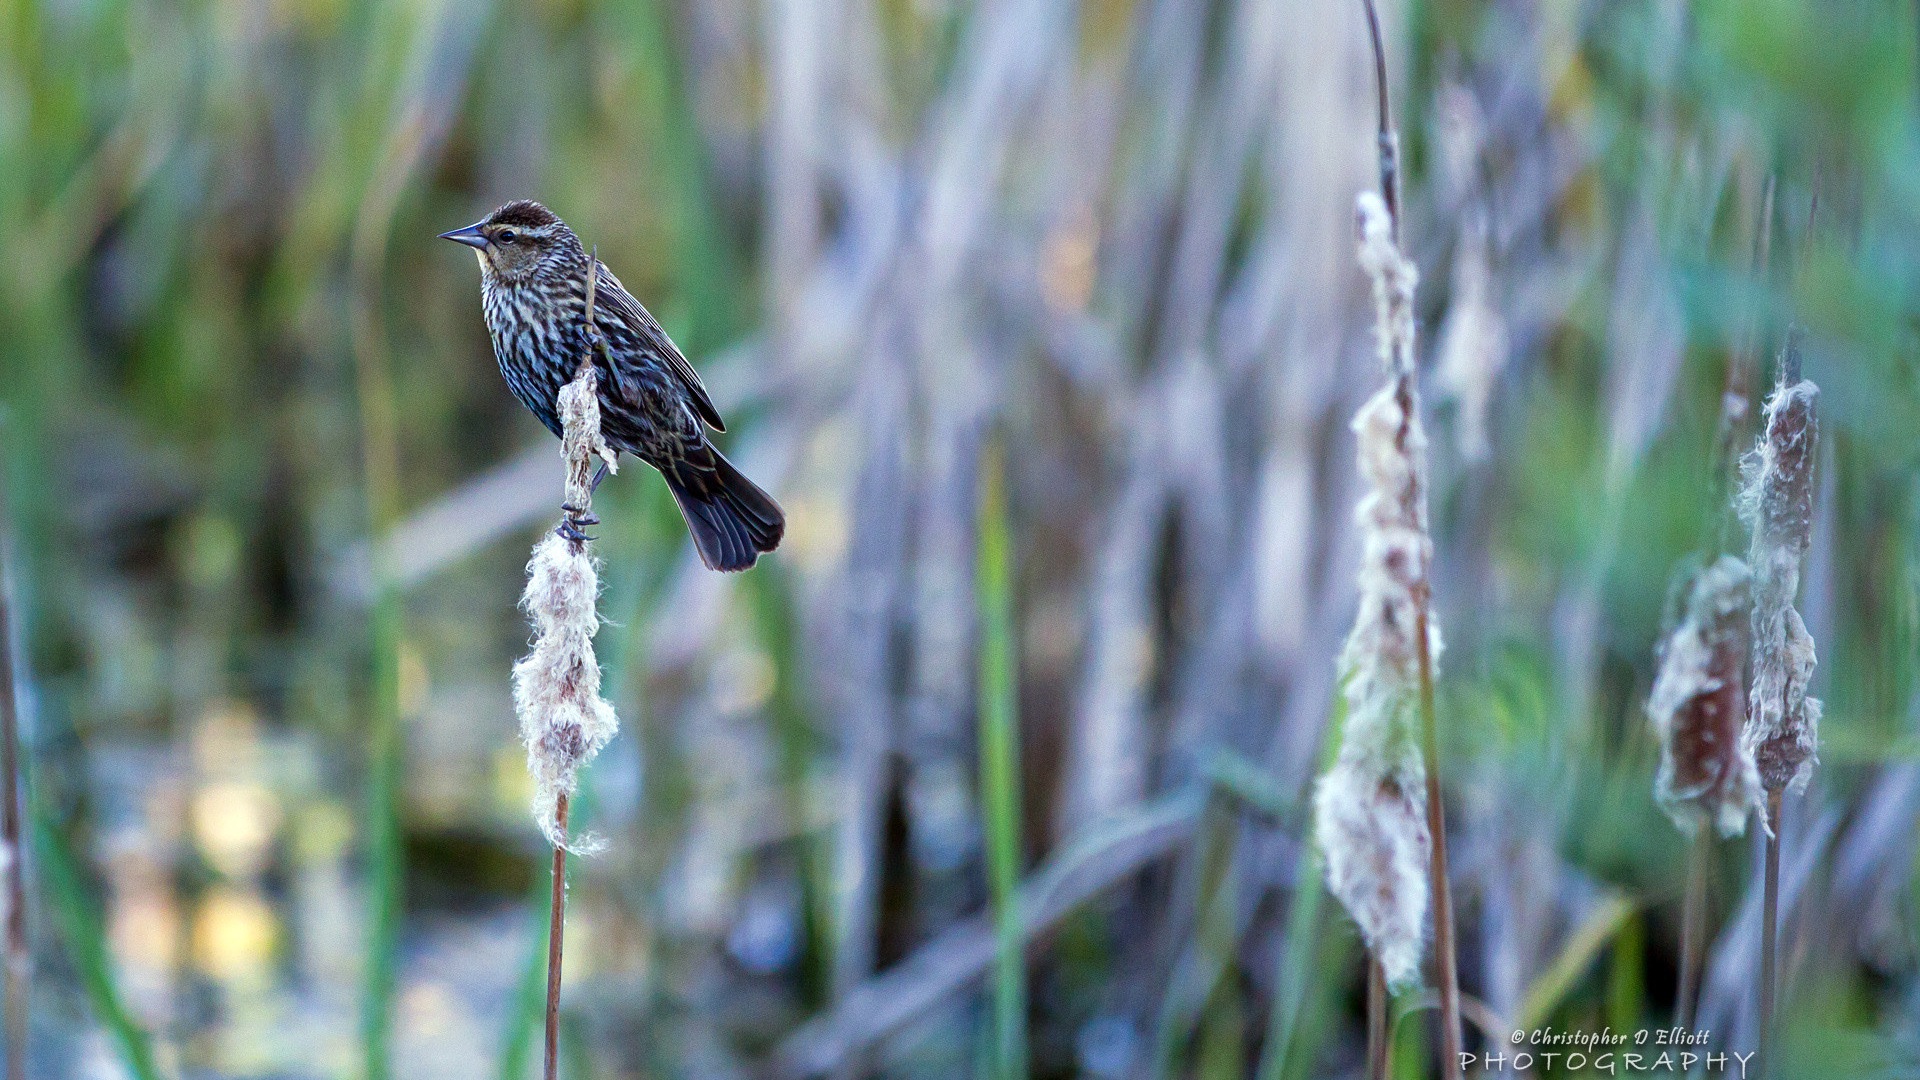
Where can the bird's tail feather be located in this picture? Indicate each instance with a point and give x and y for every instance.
(731, 519)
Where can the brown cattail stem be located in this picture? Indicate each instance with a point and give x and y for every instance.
(18, 960)
(1389, 139)
(556, 936)
(1693, 928)
(1446, 962)
(1376, 1020)
(1769, 933)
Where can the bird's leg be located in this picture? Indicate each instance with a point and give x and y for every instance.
(575, 518)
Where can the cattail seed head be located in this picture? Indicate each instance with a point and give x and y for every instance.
(1371, 807)
(1698, 705)
(1394, 278)
(564, 721)
(1371, 824)
(1782, 731)
(580, 440)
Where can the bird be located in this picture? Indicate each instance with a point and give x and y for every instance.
(533, 292)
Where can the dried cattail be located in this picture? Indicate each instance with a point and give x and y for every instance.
(1371, 821)
(1782, 731)
(1698, 704)
(556, 688)
(1394, 277)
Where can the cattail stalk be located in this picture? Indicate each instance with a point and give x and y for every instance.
(1769, 932)
(1693, 929)
(1372, 821)
(1707, 776)
(556, 688)
(1783, 720)
(1379, 818)
(1412, 439)
(556, 937)
(1699, 702)
(1377, 1051)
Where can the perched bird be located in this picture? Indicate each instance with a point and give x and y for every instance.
(533, 289)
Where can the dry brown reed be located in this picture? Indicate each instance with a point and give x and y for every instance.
(1782, 730)
(1783, 720)
(1699, 701)
(1698, 706)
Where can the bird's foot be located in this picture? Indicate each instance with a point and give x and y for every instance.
(578, 516)
(569, 529)
(599, 474)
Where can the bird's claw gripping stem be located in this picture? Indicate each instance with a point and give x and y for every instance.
(573, 521)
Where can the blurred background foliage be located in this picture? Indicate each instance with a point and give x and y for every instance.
(269, 506)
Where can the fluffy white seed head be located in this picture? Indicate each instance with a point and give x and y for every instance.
(1371, 807)
(1698, 704)
(1783, 721)
(1371, 825)
(580, 441)
(564, 721)
(1394, 277)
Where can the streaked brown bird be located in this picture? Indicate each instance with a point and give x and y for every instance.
(533, 289)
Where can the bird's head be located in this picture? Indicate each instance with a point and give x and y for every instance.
(519, 240)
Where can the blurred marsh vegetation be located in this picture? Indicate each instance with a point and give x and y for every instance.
(270, 505)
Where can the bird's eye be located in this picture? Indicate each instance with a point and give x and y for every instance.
(507, 236)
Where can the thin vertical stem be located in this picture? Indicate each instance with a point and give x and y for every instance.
(1376, 1020)
(1389, 140)
(1445, 956)
(18, 959)
(1693, 927)
(556, 936)
(1769, 934)
(1000, 766)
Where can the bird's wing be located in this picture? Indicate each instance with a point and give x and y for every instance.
(614, 296)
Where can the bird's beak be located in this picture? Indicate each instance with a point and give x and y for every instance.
(470, 236)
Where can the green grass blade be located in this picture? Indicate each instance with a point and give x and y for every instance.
(1300, 960)
(1552, 986)
(794, 736)
(83, 930)
(386, 856)
(1000, 767)
(528, 1011)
